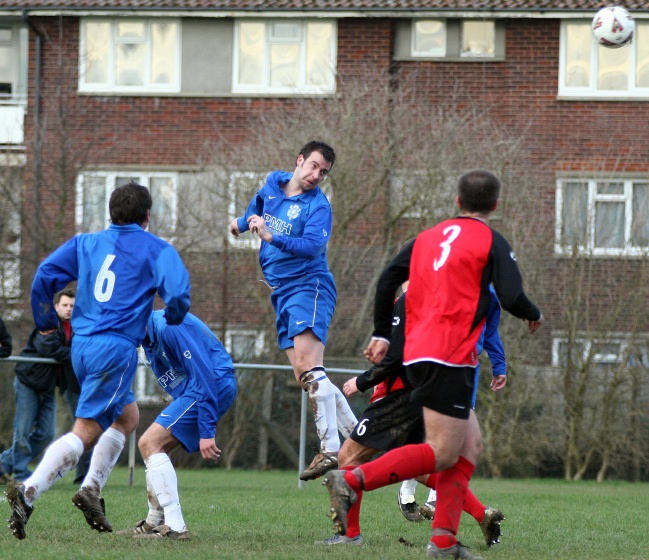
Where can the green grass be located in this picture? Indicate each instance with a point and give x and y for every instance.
(248, 514)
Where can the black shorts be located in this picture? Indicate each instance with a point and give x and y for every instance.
(444, 389)
(390, 422)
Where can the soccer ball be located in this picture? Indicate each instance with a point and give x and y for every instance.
(613, 27)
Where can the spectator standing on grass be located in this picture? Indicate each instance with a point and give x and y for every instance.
(293, 219)
(35, 386)
(118, 272)
(191, 365)
(450, 267)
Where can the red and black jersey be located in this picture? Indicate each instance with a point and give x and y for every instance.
(451, 268)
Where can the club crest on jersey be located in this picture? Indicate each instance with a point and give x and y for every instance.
(293, 211)
(187, 354)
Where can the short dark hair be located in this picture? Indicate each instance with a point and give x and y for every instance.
(317, 146)
(129, 204)
(478, 191)
(68, 292)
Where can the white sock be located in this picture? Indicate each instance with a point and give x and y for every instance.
(156, 515)
(407, 491)
(104, 456)
(322, 398)
(345, 418)
(162, 479)
(432, 495)
(59, 459)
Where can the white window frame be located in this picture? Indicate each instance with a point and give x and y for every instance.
(18, 46)
(110, 177)
(595, 49)
(110, 86)
(300, 88)
(603, 358)
(10, 261)
(259, 340)
(564, 249)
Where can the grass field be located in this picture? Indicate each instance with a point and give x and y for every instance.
(249, 514)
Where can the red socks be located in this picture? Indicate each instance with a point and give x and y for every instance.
(474, 507)
(452, 486)
(399, 464)
(354, 513)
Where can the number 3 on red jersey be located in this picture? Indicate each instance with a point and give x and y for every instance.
(451, 233)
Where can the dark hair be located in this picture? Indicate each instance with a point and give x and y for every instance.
(478, 191)
(68, 292)
(129, 204)
(316, 146)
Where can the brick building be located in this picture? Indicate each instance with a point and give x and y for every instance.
(191, 97)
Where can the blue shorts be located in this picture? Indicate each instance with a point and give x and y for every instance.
(181, 416)
(305, 303)
(105, 366)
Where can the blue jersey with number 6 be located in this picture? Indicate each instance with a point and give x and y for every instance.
(118, 271)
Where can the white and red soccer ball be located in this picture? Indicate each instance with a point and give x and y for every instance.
(613, 27)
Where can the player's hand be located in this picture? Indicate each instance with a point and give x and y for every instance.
(533, 326)
(45, 333)
(234, 228)
(498, 382)
(350, 387)
(376, 350)
(208, 449)
(258, 226)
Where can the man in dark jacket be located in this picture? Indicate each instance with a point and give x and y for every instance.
(6, 343)
(35, 384)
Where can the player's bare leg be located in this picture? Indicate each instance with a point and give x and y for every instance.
(164, 519)
(307, 358)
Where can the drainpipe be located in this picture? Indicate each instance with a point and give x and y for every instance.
(37, 145)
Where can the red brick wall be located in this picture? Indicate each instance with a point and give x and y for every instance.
(519, 94)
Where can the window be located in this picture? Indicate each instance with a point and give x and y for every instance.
(284, 56)
(452, 39)
(478, 38)
(13, 64)
(615, 350)
(129, 55)
(12, 180)
(604, 217)
(93, 195)
(588, 69)
(243, 186)
(244, 345)
(429, 37)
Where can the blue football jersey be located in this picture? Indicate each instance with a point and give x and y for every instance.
(118, 272)
(301, 227)
(189, 360)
